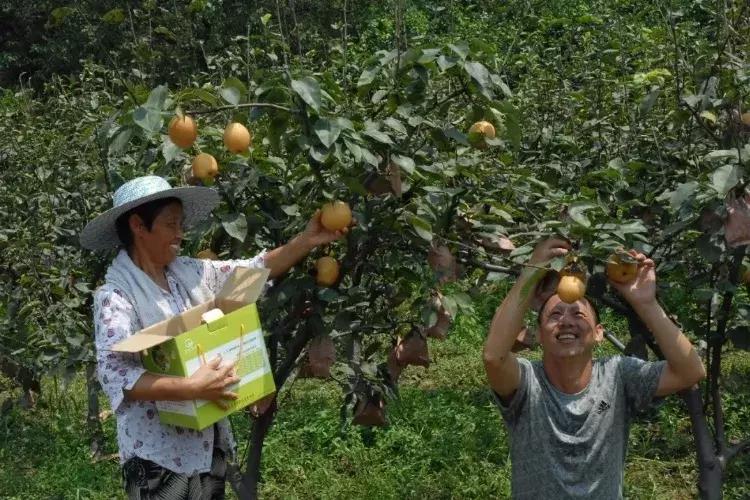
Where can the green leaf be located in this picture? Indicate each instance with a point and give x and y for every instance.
(232, 91)
(327, 131)
(235, 225)
(725, 178)
(370, 157)
(460, 48)
(230, 95)
(166, 33)
(114, 16)
(576, 212)
(378, 136)
(512, 122)
(456, 135)
(148, 119)
(693, 100)
(648, 102)
(500, 83)
(308, 89)
(197, 5)
(59, 14)
(721, 155)
(445, 63)
(320, 154)
(328, 294)
(708, 116)
(367, 76)
(395, 124)
(406, 163)
(479, 73)
(449, 303)
(354, 149)
(169, 150)
(463, 300)
(616, 163)
(683, 192)
(378, 96)
(157, 98)
(422, 227)
(290, 210)
(202, 95)
(428, 55)
(120, 141)
(708, 248)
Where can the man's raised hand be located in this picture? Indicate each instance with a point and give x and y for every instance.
(548, 249)
(641, 290)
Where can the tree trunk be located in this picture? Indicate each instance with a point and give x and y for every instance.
(251, 477)
(247, 486)
(710, 466)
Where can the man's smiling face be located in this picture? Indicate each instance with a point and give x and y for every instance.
(568, 330)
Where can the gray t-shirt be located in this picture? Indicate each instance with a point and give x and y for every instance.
(573, 445)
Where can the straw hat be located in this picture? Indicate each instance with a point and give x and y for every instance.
(197, 204)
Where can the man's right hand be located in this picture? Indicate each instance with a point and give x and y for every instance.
(548, 249)
(545, 251)
(211, 381)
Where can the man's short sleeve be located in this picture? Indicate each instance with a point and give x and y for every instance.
(512, 410)
(640, 379)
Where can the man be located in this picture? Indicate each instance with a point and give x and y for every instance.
(569, 415)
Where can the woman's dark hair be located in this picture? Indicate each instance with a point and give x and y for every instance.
(147, 212)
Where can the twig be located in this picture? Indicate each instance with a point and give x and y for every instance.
(702, 123)
(284, 41)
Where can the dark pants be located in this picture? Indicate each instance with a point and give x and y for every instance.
(145, 480)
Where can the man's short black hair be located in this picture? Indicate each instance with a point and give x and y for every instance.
(590, 302)
(147, 212)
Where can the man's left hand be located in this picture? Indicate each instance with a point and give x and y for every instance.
(642, 290)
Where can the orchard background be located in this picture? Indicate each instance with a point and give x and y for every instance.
(618, 123)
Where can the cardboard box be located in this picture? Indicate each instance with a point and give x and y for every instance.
(180, 345)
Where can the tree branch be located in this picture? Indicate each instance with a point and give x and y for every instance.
(615, 341)
(733, 451)
(246, 105)
(613, 304)
(492, 267)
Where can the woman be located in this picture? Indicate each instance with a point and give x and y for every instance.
(148, 282)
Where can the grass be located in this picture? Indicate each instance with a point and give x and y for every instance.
(445, 439)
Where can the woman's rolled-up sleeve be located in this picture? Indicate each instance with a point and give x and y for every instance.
(222, 269)
(114, 320)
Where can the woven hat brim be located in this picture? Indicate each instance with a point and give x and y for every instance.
(197, 204)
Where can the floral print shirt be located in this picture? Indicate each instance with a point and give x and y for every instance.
(139, 432)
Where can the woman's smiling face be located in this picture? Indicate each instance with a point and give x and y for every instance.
(162, 242)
